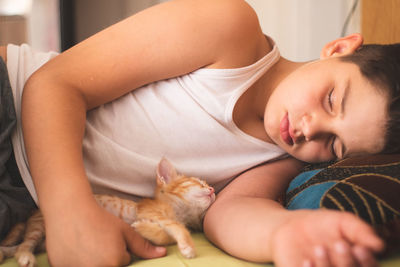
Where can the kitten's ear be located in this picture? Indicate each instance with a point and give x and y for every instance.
(165, 172)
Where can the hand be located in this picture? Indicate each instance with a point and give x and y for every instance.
(94, 238)
(322, 238)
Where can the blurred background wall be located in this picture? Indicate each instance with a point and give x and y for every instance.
(30, 21)
(300, 27)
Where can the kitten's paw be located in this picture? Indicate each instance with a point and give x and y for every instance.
(26, 259)
(143, 223)
(136, 224)
(1, 256)
(187, 251)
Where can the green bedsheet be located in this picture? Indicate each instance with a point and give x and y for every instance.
(207, 255)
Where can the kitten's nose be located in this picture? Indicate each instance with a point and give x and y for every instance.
(211, 190)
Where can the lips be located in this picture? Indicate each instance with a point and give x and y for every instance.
(284, 130)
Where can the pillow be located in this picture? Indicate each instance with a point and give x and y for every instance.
(367, 186)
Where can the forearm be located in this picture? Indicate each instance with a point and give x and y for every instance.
(53, 120)
(246, 214)
(244, 226)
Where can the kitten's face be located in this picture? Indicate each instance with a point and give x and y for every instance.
(197, 192)
(192, 192)
(188, 191)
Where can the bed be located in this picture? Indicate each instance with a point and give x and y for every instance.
(380, 24)
(208, 255)
(370, 183)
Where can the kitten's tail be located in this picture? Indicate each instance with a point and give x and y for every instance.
(14, 236)
(7, 252)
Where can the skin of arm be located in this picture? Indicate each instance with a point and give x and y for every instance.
(134, 52)
(248, 222)
(252, 200)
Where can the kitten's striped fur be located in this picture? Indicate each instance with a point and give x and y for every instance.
(179, 202)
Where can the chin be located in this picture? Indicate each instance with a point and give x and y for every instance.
(302, 157)
(312, 160)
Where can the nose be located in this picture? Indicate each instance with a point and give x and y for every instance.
(211, 190)
(314, 127)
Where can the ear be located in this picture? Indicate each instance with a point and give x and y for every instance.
(342, 46)
(165, 172)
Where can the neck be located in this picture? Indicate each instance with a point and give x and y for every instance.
(272, 78)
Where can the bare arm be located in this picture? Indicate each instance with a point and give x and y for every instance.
(164, 41)
(248, 222)
(250, 204)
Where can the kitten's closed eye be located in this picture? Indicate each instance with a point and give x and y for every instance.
(197, 191)
(206, 190)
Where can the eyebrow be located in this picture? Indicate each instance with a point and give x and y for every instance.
(342, 113)
(344, 98)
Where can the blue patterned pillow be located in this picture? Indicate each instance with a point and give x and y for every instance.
(366, 186)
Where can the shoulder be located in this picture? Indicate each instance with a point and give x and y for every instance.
(236, 13)
(228, 18)
(234, 31)
(229, 14)
(238, 20)
(267, 180)
(288, 166)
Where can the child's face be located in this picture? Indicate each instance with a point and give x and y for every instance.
(326, 110)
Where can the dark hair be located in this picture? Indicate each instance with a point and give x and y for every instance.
(380, 64)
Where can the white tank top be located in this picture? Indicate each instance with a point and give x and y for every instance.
(187, 119)
(22, 61)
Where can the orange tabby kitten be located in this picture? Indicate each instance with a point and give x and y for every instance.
(179, 202)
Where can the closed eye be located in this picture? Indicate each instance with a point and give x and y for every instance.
(330, 101)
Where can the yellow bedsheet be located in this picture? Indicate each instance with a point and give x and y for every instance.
(207, 256)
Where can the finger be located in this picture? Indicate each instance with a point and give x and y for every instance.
(142, 247)
(307, 263)
(364, 257)
(126, 259)
(341, 255)
(321, 257)
(360, 233)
